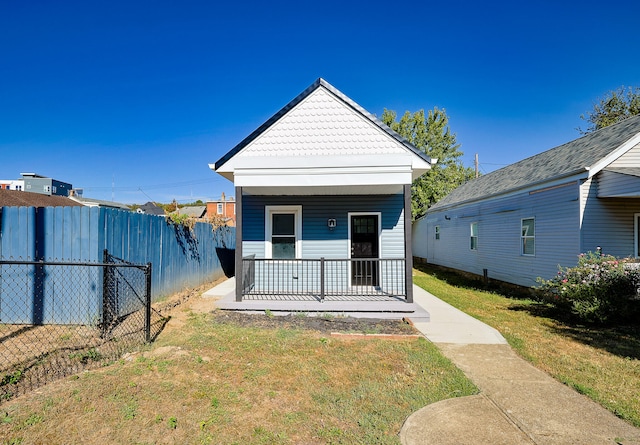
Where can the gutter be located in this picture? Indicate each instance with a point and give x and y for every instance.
(512, 190)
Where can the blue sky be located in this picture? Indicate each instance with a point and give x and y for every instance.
(133, 100)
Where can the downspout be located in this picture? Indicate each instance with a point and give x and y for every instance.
(239, 273)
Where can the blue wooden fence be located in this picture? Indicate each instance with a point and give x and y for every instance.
(180, 257)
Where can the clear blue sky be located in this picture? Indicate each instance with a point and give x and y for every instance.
(133, 100)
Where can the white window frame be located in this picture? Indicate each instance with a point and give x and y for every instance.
(296, 210)
(437, 233)
(219, 208)
(472, 236)
(524, 237)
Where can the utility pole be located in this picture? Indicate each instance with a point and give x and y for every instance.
(477, 173)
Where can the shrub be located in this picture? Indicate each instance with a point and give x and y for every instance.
(600, 289)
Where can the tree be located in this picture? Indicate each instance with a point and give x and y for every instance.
(431, 134)
(616, 106)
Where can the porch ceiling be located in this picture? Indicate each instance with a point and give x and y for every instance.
(623, 182)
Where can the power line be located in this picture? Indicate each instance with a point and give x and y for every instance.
(153, 186)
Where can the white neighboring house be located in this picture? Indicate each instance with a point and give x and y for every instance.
(12, 184)
(522, 221)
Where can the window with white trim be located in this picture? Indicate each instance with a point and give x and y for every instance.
(283, 232)
(437, 234)
(528, 236)
(474, 236)
(219, 209)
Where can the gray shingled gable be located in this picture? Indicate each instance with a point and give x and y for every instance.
(565, 160)
(314, 86)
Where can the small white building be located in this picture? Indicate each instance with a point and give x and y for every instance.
(12, 184)
(323, 202)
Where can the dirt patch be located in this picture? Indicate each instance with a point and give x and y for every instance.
(191, 300)
(323, 324)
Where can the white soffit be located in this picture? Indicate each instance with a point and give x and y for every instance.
(313, 171)
(325, 190)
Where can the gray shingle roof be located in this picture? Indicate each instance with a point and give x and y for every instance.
(101, 203)
(17, 198)
(193, 211)
(567, 159)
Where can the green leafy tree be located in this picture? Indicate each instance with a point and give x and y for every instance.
(431, 134)
(616, 106)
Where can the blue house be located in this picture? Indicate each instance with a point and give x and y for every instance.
(522, 221)
(323, 203)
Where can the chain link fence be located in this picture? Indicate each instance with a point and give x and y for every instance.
(58, 318)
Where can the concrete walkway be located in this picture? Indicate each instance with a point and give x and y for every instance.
(517, 404)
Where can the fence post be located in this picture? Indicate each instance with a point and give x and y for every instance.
(147, 300)
(322, 280)
(105, 291)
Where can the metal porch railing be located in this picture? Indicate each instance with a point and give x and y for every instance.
(370, 278)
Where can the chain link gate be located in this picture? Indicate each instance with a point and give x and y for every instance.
(57, 318)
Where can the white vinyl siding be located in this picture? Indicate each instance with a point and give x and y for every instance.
(608, 223)
(629, 159)
(499, 220)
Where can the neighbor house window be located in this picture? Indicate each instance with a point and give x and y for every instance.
(437, 232)
(283, 232)
(219, 209)
(474, 236)
(528, 236)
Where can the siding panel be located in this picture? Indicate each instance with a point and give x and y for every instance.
(608, 223)
(317, 240)
(630, 159)
(555, 211)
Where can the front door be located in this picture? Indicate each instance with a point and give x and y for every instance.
(364, 244)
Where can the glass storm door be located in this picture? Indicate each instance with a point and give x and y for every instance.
(364, 244)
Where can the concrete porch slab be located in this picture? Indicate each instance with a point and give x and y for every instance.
(225, 295)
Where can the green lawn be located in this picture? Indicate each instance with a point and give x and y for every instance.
(601, 362)
(209, 382)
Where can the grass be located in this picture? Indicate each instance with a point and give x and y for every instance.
(600, 362)
(208, 382)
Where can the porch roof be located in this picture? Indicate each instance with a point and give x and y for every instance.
(322, 139)
(620, 182)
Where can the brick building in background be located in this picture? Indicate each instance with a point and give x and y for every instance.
(224, 208)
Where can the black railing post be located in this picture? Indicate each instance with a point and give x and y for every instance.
(147, 300)
(322, 280)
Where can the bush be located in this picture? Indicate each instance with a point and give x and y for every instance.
(600, 289)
